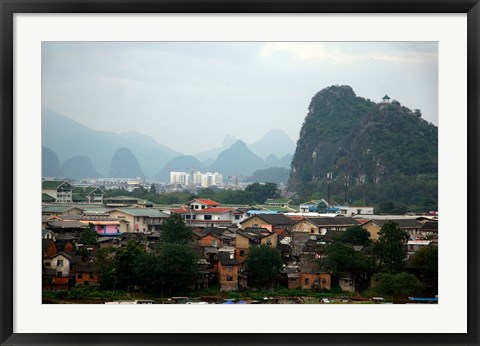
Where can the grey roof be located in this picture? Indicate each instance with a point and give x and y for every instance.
(273, 219)
(430, 226)
(66, 224)
(57, 208)
(224, 259)
(334, 221)
(148, 212)
(402, 223)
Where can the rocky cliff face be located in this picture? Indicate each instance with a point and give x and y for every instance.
(363, 149)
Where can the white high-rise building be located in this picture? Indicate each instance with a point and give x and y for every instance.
(210, 179)
(180, 178)
(197, 178)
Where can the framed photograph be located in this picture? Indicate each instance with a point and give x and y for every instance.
(290, 157)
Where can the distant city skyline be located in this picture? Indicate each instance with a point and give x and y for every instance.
(190, 95)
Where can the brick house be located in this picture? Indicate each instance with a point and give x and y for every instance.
(228, 269)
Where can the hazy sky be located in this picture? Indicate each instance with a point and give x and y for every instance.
(189, 95)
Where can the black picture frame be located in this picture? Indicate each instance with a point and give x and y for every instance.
(9, 7)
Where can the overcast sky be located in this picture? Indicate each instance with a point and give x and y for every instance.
(189, 95)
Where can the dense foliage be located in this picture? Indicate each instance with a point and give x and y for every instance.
(399, 285)
(263, 265)
(375, 152)
(391, 247)
(170, 268)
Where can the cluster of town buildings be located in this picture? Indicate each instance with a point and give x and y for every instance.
(223, 234)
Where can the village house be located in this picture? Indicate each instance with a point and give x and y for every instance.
(120, 201)
(91, 194)
(60, 190)
(414, 245)
(278, 202)
(252, 236)
(429, 229)
(228, 270)
(314, 206)
(85, 274)
(277, 223)
(411, 226)
(204, 212)
(56, 271)
(315, 229)
(140, 219)
(320, 225)
(312, 276)
(55, 210)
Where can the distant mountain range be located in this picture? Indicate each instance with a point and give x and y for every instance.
(67, 138)
(89, 153)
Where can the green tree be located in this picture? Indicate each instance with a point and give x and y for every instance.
(340, 258)
(390, 248)
(356, 235)
(260, 192)
(391, 208)
(124, 263)
(177, 267)
(88, 236)
(263, 264)
(174, 230)
(146, 267)
(105, 266)
(397, 285)
(426, 259)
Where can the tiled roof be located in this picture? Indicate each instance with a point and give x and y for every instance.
(205, 201)
(430, 226)
(333, 221)
(66, 224)
(47, 198)
(224, 259)
(148, 212)
(76, 197)
(87, 190)
(273, 219)
(212, 210)
(277, 200)
(402, 223)
(57, 208)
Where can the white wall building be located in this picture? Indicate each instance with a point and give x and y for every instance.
(180, 178)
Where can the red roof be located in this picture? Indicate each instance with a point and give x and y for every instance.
(181, 210)
(205, 201)
(212, 210)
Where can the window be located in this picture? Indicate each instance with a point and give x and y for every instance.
(207, 217)
(214, 243)
(324, 281)
(59, 274)
(60, 263)
(307, 281)
(203, 207)
(228, 268)
(229, 278)
(80, 275)
(91, 276)
(188, 217)
(196, 206)
(47, 264)
(194, 217)
(242, 253)
(237, 217)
